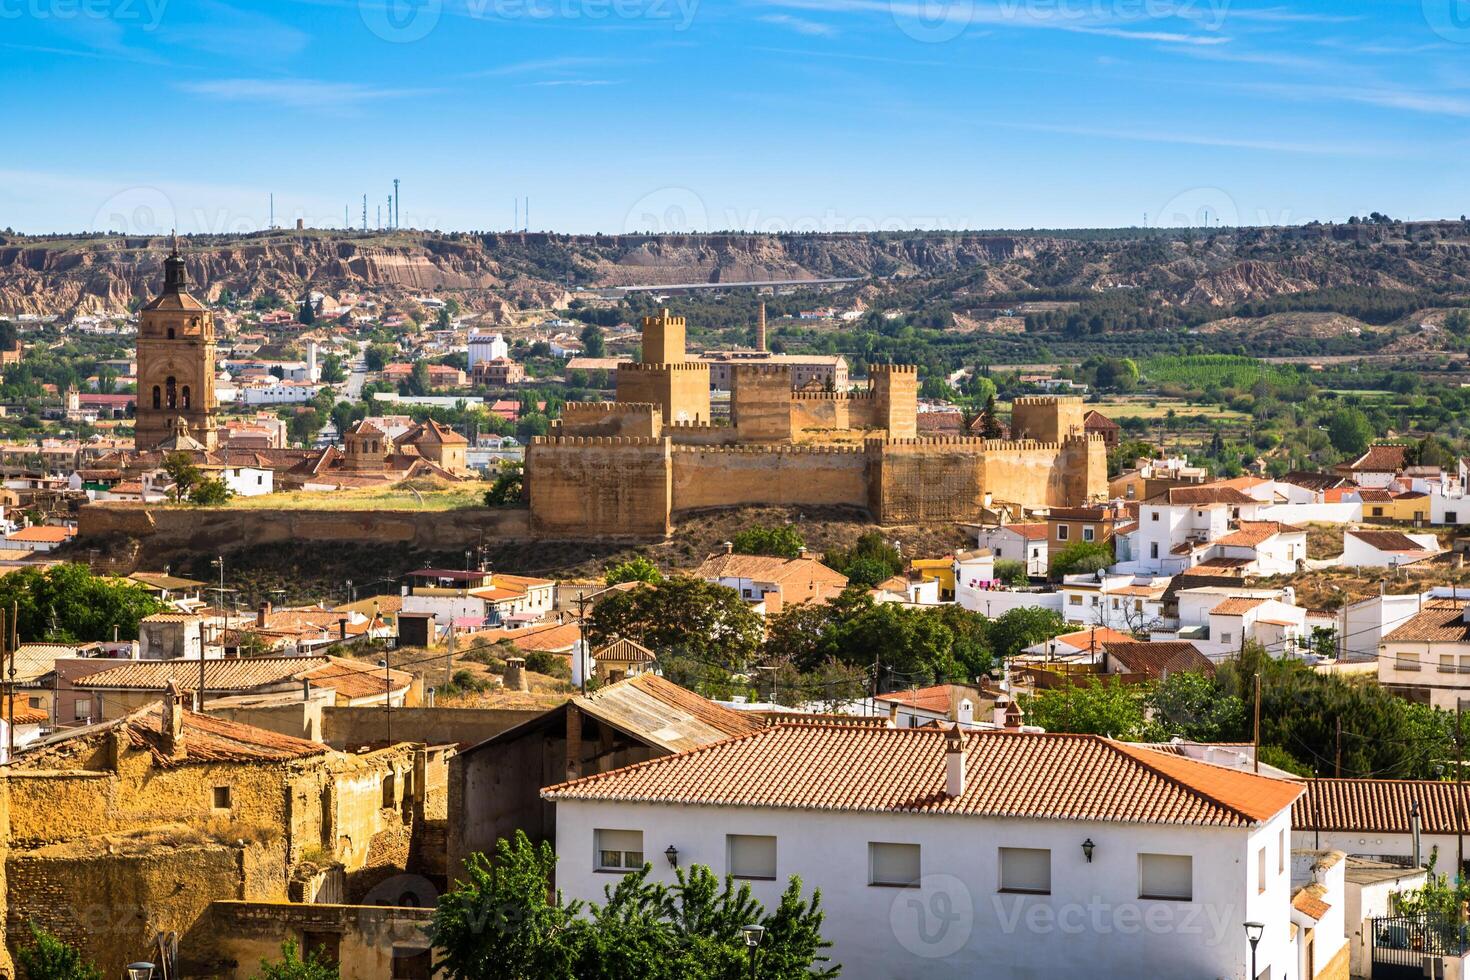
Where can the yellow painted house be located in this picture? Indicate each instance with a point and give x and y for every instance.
(940, 569)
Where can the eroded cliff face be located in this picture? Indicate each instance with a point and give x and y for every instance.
(500, 273)
(495, 273)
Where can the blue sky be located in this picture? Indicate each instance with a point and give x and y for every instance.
(766, 115)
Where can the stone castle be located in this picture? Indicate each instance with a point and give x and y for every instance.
(626, 467)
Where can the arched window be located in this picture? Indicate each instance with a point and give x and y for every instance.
(186, 397)
(172, 392)
(170, 333)
(157, 397)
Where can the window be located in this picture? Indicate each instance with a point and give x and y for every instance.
(1088, 533)
(1407, 660)
(1377, 511)
(327, 944)
(1166, 877)
(157, 397)
(1447, 663)
(1153, 549)
(1261, 870)
(1281, 852)
(221, 797)
(1074, 600)
(751, 856)
(893, 865)
(619, 850)
(1062, 532)
(390, 792)
(82, 709)
(1450, 517)
(412, 964)
(1026, 870)
(1153, 515)
(1224, 637)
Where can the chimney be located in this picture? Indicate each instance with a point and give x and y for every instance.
(892, 714)
(729, 547)
(306, 688)
(1013, 717)
(1001, 704)
(342, 629)
(172, 722)
(954, 764)
(515, 674)
(262, 614)
(760, 329)
(801, 552)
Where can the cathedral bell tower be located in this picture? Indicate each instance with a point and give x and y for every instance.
(176, 365)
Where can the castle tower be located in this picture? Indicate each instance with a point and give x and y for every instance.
(175, 363)
(1045, 418)
(760, 330)
(666, 376)
(663, 339)
(895, 389)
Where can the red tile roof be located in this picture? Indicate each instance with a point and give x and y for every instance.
(862, 769)
(1252, 533)
(1379, 806)
(1198, 496)
(1440, 621)
(1394, 541)
(1380, 459)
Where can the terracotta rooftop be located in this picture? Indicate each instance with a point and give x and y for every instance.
(1237, 606)
(1380, 459)
(162, 580)
(245, 674)
(624, 651)
(1309, 902)
(935, 698)
(1392, 541)
(861, 769)
(211, 739)
(1440, 621)
(1154, 660)
(1199, 496)
(1252, 533)
(1031, 532)
(24, 713)
(42, 534)
(1376, 806)
(1084, 639)
(762, 568)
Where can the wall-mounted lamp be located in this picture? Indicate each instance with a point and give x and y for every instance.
(1087, 847)
(672, 853)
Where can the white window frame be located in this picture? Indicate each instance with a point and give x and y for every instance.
(1019, 854)
(623, 864)
(1089, 533)
(735, 841)
(1145, 895)
(1062, 532)
(904, 849)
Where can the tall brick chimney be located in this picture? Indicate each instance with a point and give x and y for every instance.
(171, 726)
(262, 614)
(954, 763)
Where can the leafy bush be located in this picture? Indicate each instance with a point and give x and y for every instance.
(1012, 572)
(293, 967)
(1081, 558)
(549, 664)
(636, 569)
(778, 542)
(48, 958)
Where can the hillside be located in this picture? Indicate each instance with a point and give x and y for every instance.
(498, 273)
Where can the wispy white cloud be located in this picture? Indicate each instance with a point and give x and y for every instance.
(852, 56)
(1234, 56)
(1285, 15)
(800, 25)
(570, 83)
(550, 65)
(1193, 139)
(295, 93)
(1410, 100)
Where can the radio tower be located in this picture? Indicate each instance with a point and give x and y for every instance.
(396, 213)
(364, 212)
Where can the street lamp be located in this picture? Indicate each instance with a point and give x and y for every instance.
(672, 853)
(1087, 847)
(387, 698)
(753, 935)
(138, 971)
(1253, 932)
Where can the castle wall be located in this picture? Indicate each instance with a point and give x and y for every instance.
(1047, 474)
(816, 412)
(681, 391)
(599, 485)
(760, 402)
(1047, 418)
(638, 419)
(769, 475)
(915, 481)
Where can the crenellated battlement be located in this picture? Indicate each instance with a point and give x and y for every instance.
(1046, 401)
(596, 442)
(690, 366)
(832, 396)
(1022, 446)
(875, 369)
(766, 369)
(609, 408)
(777, 450)
(928, 442)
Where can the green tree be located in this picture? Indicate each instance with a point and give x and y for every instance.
(680, 615)
(1017, 629)
(989, 420)
(1192, 706)
(181, 469)
(417, 383)
(210, 493)
(783, 541)
(313, 966)
(869, 561)
(1107, 707)
(379, 356)
(1081, 558)
(1350, 431)
(68, 604)
(503, 920)
(48, 958)
(507, 489)
(635, 569)
(1012, 572)
(306, 313)
(593, 344)
(332, 371)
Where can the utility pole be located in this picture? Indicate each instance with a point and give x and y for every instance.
(8, 655)
(1256, 728)
(1459, 790)
(199, 699)
(388, 700)
(1337, 758)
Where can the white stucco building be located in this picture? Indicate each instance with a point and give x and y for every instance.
(994, 854)
(486, 347)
